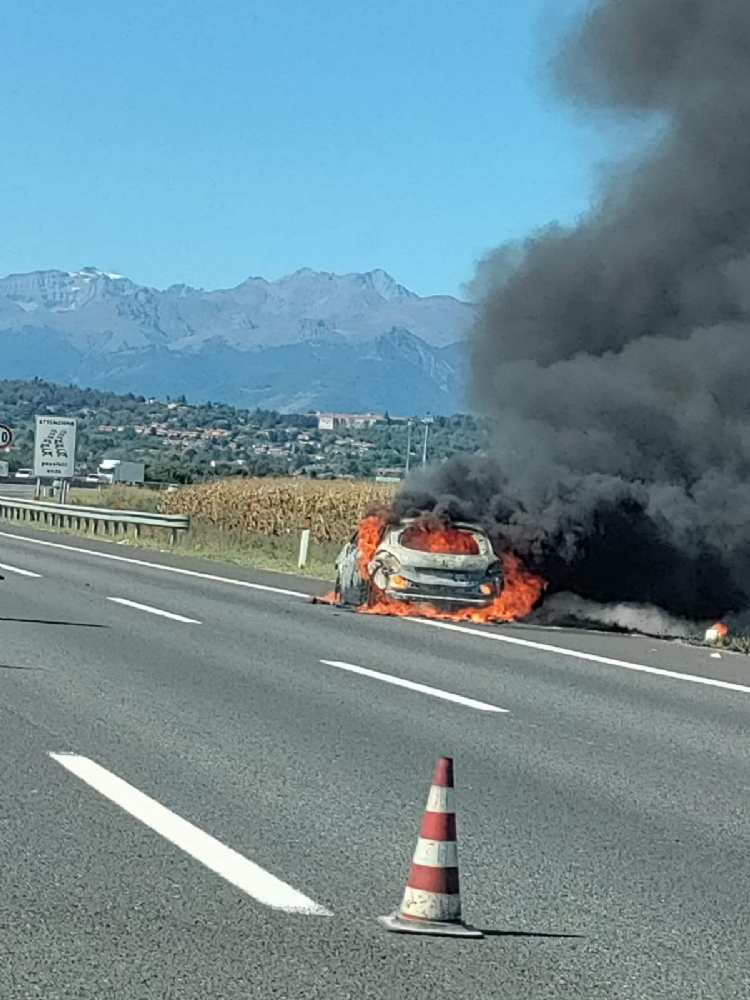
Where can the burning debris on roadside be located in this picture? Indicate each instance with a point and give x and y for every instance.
(716, 632)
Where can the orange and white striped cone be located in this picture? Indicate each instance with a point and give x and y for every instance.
(432, 900)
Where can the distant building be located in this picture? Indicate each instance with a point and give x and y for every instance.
(334, 421)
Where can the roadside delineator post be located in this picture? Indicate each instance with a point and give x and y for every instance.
(304, 543)
(432, 899)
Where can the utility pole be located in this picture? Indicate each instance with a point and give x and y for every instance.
(408, 446)
(426, 421)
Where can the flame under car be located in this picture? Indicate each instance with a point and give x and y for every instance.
(446, 566)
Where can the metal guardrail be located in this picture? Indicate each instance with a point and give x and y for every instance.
(89, 518)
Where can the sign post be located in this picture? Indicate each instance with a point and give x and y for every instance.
(426, 421)
(55, 449)
(6, 437)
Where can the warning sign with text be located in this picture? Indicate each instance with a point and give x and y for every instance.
(55, 447)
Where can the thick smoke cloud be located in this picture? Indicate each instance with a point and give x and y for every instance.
(614, 357)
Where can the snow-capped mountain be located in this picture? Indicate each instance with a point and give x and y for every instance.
(308, 340)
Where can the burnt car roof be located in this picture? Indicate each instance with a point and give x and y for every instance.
(461, 525)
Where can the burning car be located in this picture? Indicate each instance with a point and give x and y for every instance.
(428, 567)
(420, 561)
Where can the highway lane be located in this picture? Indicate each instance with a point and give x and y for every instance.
(606, 804)
(131, 564)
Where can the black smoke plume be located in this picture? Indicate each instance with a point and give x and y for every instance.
(614, 356)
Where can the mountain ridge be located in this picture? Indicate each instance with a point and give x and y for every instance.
(362, 340)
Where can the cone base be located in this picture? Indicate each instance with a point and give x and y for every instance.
(395, 922)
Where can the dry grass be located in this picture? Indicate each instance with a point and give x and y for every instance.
(278, 507)
(206, 541)
(250, 522)
(117, 498)
(734, 643)
(274, 552)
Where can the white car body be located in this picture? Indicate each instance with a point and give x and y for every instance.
(404, 573)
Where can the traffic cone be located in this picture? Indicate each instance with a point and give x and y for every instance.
(432, 899)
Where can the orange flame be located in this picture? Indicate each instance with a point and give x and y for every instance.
(720, 628)
(330, 598)
(429, 536)
(522, 588)
(370, 532)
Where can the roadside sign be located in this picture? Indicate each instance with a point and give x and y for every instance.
(6, 436)
(55, 447)
(4, 470)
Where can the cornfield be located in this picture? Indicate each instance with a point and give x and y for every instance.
(280, 506)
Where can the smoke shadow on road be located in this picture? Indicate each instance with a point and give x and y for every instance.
(46, 621)
(528, 934)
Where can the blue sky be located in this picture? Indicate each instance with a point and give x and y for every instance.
(207, 141)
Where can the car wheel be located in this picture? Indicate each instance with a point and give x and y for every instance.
(351, 587)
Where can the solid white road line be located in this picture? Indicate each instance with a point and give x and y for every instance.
(222, 860)
(459, 699)
(154, 611)
(21, 572)
(153, 565)
(593, 657)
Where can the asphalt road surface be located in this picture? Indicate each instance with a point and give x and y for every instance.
(202, 799)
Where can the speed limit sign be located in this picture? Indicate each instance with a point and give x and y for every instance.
(6, 436)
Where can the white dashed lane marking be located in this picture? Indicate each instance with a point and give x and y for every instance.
(20, 572)
(458, 699)
(220, 859)
(153, 611)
